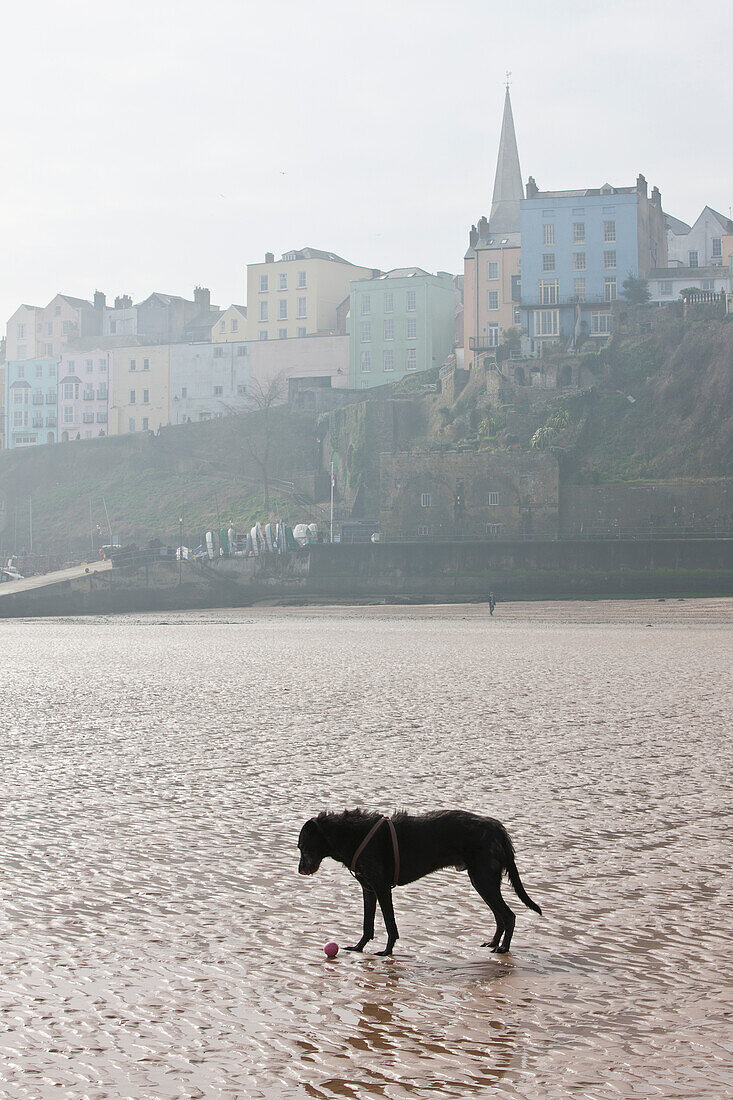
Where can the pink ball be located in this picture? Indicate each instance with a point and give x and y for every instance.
(331, 949)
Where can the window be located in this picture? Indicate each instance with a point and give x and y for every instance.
(493, 499)
(131, 424)
(241, 349)
(21, 372)
(609, 231)
(411, 300)
(103, 365)
(493, 335)
(66, 327)
(89, 366)
(411, 359)
(49, 328)
(366, 362)
(424, 531)
(218, 353)
(301, 280)
(717, 247)
(21, 332)
(549, 292)
(600, 323)
(57, 311)
(112, 328)
(68, 414)
(493, 529)
(517, 315)
(609, 259)
(39, 372)
(665, 290)
(548, 234)
(133, 364)
(263, 284)
(548, 261)
(282, 281)
(102, 392)
(241, 390)
(145, 424)
(146, 364)
(301, 331)
(68, 391)
(263, 311)
(89, 393)
(693, 257)
(282, 309)
(546, 322)
(132, 397)
(146, 397)
(263, 334)
(184, 391)
(48, 349)
(366, 331)
(492, 301)
(301, 307)
(235, 324)
(425, 500)
(707, 284)
(412, 328)
(102, 417)
(389, 302)
(71, 365)
(492, 270)
(222, 326)
(579, 288)
(389, 329)
(578, 261)
(282, 334)
(388, 359)
(22, 351)
(218, 391)
(366, 303)
(578, 232)
(609, 290)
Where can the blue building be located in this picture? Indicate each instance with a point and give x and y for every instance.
(578, 247)
(30, 402)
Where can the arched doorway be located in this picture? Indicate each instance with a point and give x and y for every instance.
(64, 437)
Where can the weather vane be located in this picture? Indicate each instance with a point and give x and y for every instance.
(508, 81)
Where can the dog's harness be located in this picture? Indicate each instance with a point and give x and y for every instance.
(395, 847)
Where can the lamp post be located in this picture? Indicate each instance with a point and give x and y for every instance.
(180, 549)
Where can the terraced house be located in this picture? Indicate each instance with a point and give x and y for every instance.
(400, 323)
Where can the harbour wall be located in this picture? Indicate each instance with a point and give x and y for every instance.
(419, 572)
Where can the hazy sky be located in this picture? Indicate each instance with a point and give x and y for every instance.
(156, 145)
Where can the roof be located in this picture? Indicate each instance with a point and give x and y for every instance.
(726, 223)
(679, 228)
(508, 189)
(69, 378)
(76, 302)
(484, 244)
(313, 254)
(584, 193)
(164, 299)
(404, 273)
(203, 322)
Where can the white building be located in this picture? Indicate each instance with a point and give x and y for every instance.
(666, 283)
(699, 245)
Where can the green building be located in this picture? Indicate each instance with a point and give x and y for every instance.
(399, 323)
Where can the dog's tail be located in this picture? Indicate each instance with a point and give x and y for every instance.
(511, 870)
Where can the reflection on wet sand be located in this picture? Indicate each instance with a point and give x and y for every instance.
(158, 941)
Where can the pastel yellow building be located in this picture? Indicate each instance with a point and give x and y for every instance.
(298, 294)
(140, 385)
(230, 327)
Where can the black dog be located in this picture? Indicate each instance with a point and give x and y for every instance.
(385, 852)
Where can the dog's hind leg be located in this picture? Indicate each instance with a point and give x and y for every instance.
(370, 908)
(384, 897)
(487, 882)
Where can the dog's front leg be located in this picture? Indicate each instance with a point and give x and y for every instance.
(384, 896)
(370, 908)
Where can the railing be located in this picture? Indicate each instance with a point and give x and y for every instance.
(567, 300)
(50, 398)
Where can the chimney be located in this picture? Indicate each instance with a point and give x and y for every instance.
(641, 184)
(100, 300)
(483, 228)
(656, 196)
(532, 188)
(202, 297)
(123, 301)
(269, 257)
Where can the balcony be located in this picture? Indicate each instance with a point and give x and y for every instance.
(567, 300)
(50, 421)
(50, 398)
(37, 399)
(37, 421)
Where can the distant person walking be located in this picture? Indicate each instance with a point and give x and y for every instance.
(492, 603)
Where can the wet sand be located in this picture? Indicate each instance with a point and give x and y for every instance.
(158, 942)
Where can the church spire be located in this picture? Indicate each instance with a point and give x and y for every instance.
(508, 189)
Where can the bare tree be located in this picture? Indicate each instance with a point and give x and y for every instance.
(262, 396)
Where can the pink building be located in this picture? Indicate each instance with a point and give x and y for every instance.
(83, 393)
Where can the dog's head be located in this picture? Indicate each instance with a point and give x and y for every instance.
(313, 847)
